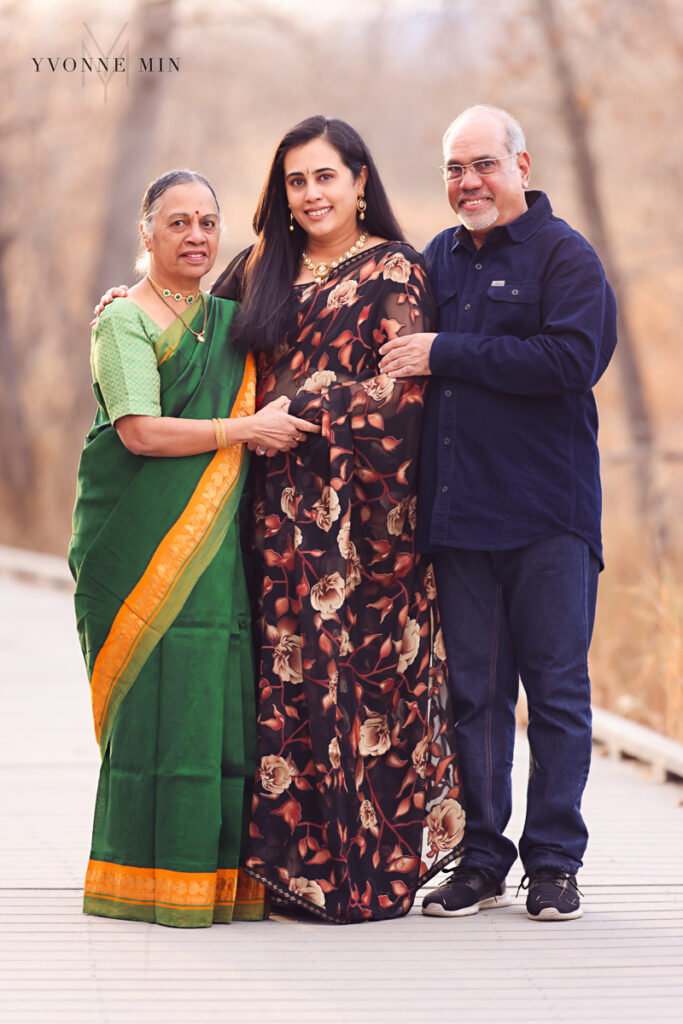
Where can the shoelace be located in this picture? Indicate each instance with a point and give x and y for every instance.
(549, 875)
(465, 875)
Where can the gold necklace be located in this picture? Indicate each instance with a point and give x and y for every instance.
(179, 315)
(321, 271)
(166, 292)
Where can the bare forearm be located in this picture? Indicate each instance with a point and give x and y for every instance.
(271, 429)
(172, 437)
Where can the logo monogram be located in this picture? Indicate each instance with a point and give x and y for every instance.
(104, 67)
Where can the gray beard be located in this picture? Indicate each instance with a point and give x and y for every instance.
(479, 221)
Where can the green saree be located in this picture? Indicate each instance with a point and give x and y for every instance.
(163, 620)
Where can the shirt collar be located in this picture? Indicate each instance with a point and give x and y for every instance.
(519, 230)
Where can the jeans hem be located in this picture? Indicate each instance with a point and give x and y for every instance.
(570, 866)
(495, 869)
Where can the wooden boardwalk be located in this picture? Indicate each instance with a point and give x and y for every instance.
(623, 961)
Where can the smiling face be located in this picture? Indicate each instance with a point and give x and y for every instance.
(185, 234)
(322, 192)
(485, 201)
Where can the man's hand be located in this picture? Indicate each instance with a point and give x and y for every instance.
(118, 292)
(407, 356)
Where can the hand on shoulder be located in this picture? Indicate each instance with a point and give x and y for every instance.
(118, 292)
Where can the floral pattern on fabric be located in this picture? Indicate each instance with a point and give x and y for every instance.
(356, 800)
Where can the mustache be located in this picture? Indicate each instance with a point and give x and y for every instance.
(474, 195)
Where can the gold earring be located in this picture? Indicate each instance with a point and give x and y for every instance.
(291, 219)
(361, 206)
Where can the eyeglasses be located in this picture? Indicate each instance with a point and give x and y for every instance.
(487, 165)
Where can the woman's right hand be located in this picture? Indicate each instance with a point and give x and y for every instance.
(273, 430)
(119, 292)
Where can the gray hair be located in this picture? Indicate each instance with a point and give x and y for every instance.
(151, 202)
(514, 136)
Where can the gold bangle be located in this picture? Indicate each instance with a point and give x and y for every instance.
(219, 431)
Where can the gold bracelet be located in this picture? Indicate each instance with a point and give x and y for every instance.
(219, 431)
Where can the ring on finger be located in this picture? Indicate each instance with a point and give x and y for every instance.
(260, 450)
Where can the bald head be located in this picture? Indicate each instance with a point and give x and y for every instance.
(512, 135)
(485, 147)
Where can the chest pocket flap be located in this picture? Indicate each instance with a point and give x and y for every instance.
(444, 295)
(515, 291)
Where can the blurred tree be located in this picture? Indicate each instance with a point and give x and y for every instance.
(133, 144)
(575, 116)
(16, 449)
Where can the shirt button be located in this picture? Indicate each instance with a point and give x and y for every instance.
(448, 393)
(515, 291)
(444, 490)
(477, 266)
(467, 305)
(446, 440)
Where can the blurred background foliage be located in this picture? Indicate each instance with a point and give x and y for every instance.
(597, 85)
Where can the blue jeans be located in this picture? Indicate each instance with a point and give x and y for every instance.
(523, 613)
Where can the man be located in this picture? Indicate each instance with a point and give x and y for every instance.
(510, 504)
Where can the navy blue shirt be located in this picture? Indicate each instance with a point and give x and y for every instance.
(527, 326)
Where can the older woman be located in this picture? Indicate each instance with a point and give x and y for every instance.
(160, 593)
(355, 755)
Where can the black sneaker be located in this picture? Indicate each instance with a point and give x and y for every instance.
(467, 891)
(553, 895)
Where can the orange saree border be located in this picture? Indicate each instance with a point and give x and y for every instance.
(224, 893)
(135, 629)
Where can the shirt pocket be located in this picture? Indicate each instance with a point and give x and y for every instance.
(513, 308)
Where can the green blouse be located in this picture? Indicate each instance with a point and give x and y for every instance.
(123, 360)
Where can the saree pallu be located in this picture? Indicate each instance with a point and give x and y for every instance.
(163, 620)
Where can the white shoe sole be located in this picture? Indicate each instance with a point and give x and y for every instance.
(493, 902)
(553, 914)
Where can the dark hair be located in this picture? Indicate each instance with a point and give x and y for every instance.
(152, 199)
(273, 263)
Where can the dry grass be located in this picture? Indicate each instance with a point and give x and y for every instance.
(636, 658)
(637, 654)
(637, 651)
